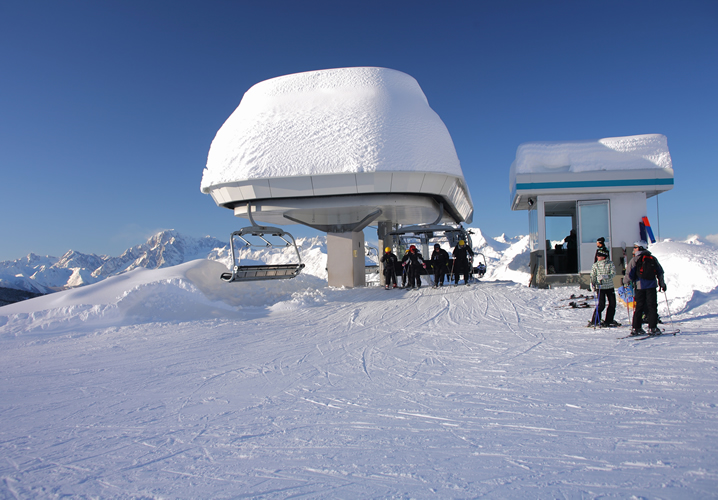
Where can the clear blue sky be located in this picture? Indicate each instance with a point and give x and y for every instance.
(107, 109)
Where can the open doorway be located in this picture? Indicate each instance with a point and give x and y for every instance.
(561, 238)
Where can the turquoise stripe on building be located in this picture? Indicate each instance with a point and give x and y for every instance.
(589, 184)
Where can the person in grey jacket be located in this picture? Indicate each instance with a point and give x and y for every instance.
(646, 273)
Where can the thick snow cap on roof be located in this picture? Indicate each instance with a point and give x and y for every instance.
(346, 120)
(635, 152)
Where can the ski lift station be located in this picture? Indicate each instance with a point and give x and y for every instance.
(335, 150)
(577, 192)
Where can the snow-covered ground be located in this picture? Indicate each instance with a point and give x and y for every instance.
(169, 383)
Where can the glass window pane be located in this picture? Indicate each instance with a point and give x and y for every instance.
(594, 222)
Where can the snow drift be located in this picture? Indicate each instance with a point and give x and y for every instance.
(345, 120)
(648, 151)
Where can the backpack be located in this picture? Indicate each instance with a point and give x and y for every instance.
(646, 267)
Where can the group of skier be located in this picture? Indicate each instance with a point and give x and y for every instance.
(413, 263)
(643, 274)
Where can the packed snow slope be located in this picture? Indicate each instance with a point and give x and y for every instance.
(169, 383)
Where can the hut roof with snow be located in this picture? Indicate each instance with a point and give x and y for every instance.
(639, 163)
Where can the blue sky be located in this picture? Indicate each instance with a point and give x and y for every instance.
(107, 109)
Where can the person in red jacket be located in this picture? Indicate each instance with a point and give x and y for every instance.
(413, 262)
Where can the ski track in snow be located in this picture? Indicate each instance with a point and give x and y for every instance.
(456, 392)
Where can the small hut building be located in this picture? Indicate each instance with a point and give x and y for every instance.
(577, 192)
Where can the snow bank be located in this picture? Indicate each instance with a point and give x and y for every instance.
(344, 120)
(648, 151)
(187, 292)
(691, 272)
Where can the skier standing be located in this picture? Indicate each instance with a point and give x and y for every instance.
(403, 269)
(602, 274)
(439, 260)
(600, 244)
(389, 262)
(413, 262)
(646, 273)
(461, 262)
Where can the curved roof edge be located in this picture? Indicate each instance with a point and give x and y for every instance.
(450, 189)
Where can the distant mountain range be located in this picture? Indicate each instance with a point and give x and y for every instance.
(36, 275)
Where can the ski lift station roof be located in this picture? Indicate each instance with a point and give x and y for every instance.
(638, 163)
(337, 149)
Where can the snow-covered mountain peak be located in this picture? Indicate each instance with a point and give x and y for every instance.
(169, 248)
(45, 274)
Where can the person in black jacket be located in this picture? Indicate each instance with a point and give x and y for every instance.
(646, 274)
(461, 262)
(413, 262)
(439, 260)
(600, 244)
(389, 262)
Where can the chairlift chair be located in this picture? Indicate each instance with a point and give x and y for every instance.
(371, 271)
(480, 268)
(262, 271)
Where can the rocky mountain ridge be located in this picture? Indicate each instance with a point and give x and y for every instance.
(37, 274)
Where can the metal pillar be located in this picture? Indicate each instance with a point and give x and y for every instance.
(345, 259)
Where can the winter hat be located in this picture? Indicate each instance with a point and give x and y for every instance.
(641, 244)
(602, 252)
(601, 240)
(437, 246)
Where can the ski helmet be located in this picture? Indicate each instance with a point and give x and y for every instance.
(462, 243)
(387, 250)
(412, 247)
(641, 244)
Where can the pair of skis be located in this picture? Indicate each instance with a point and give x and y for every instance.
(661, 333)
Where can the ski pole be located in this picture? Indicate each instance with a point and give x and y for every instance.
(670, 316)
